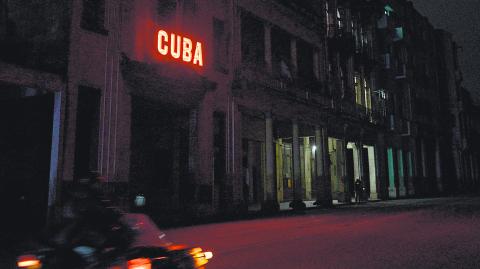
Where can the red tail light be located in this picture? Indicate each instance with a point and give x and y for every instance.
(140, 263)
(28, 262)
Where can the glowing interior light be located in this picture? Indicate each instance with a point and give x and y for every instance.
(176, 45)
(314, 148)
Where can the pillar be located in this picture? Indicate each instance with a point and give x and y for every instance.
(372, 172)
(438, 166)
(270, 200)
(268, 46)
(360, 160)
(402, 191)
(293, 56)
(380, 164)
(249, 176)
(411, 167)
(307, 168)
(346, 185)
(322, 168)
(392, 190)
(53, 184)
(297, 202)
(423, 158)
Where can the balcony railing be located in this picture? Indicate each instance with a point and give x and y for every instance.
(300, 89)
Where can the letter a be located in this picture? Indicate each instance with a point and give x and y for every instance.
(187, 50)
(198, 57)
(162, 37)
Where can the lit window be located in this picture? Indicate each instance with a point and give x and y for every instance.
(388, 10)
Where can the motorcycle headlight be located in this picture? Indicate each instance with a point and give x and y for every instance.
(28, 262)
(200, 257)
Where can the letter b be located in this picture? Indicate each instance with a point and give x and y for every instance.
(187, 50)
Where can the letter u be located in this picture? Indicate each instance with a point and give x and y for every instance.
(175, 46)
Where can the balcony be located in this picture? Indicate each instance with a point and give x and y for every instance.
(305, 90)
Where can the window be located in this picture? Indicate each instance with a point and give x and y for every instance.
(358, 89)
(86, 138)
(368, 95)
(281, 57)
(388, 10)
(305, 60)
(220, 45)
(340, 19)
(253, 40)
(93, 16)
(166, 8)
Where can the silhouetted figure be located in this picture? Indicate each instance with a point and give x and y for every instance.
(358, 190)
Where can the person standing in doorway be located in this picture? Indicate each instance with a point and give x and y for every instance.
(358, 190)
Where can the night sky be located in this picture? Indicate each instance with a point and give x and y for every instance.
(462, 19)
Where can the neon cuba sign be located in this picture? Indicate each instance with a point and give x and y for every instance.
(179, 47)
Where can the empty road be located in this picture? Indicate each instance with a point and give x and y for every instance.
(423, 233)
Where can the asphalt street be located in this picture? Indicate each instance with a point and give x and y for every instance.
(412, 233)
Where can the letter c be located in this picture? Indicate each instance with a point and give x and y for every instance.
(162, 39)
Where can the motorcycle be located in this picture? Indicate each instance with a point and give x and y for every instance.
(148, 249)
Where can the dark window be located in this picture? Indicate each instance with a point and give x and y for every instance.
(33, 34)
(189, 6)
(281, 57)
(305, 60)
(220, 45)
(166, 10)
(93, 16)
(253, 40)
(87, 132)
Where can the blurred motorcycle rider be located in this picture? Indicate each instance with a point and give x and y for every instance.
(92, 226)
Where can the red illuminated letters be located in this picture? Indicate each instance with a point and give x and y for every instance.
(178, 46)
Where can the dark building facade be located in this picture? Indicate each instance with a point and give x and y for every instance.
(224, 106)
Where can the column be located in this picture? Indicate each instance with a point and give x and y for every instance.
(316, 66)
(423, 158)
(411, 166)
(293, 56)
(346, 185)
(270, 200)
(53, 184)
(356, 165)
(193, 153)
(249, 173)
(307, 167)
(297, 202)
(392, 190)
(438, 166)
(380, 164)
(322, 165)
(361, 173)
(268, 46)
(373, 173)
(402, 191)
